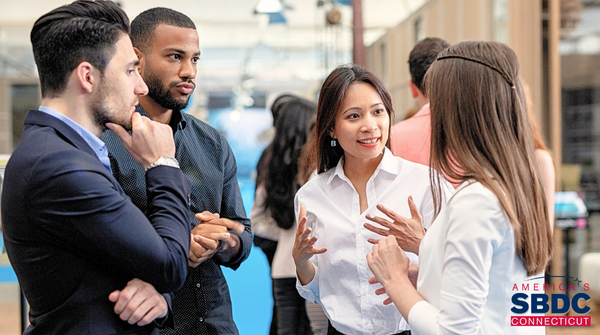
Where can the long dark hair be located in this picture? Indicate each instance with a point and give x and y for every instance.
(291, 133)
(322, 155)
(480, 131)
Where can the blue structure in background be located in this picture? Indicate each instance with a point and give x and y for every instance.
(250, 284)
(7, 275)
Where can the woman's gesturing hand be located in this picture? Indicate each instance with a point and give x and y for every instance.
(408, 231)
(304, 249)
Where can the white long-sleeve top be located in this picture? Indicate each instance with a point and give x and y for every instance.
(468, 266)
(264, 226)
(341, 283)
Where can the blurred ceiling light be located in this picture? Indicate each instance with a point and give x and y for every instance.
(273, 8)
(269, 7)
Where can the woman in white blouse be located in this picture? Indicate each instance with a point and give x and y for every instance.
(357, 176)
(494, 231)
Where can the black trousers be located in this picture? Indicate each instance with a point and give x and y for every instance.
(291, 308)
(333, 331)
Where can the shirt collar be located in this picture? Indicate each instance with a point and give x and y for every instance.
(388, 164)
(92, 140)
(177, 120)
(424, 111)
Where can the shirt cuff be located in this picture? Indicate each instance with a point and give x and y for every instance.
(423, 318)
(310, 291)
(236, 260)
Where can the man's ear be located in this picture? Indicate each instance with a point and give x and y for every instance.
(142, 59)
(413, 89)
(86, 76)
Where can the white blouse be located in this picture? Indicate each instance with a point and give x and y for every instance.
(468, 267)
(341, 283)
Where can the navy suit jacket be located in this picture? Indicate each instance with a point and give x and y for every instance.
(73, 236)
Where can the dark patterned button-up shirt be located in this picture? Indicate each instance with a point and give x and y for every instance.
(203, 305)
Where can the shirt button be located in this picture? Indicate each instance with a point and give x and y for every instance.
(201, 319)
(198, 285)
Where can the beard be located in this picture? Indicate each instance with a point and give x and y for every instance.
(162, 95)
(102, 113)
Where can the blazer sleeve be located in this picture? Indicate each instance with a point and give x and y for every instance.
(86, 211)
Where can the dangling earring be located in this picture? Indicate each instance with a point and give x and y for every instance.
(333, 142)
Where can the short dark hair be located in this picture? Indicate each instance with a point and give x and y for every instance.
(421, 57)
(142, 27)
(323, 156)
(83, 31)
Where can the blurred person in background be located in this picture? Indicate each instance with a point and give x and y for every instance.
(266, 239)
(411, 138)
(273, 210)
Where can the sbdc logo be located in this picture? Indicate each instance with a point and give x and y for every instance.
(541, 303)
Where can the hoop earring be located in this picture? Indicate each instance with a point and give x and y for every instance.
(333, 142)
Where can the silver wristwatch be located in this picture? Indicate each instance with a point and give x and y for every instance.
(164, 160)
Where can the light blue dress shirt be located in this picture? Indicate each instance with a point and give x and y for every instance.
(92, 140)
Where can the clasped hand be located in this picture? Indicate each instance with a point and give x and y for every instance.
(390, 264)
(139, 303)
(211, 235)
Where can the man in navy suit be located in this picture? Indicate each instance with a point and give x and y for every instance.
(88, 260)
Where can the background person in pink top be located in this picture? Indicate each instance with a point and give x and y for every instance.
(411, 139)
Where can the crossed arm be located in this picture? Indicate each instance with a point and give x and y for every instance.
(221, 238)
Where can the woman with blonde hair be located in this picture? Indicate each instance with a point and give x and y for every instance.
(489, 236)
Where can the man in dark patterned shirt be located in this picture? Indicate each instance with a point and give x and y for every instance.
(167, 44)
